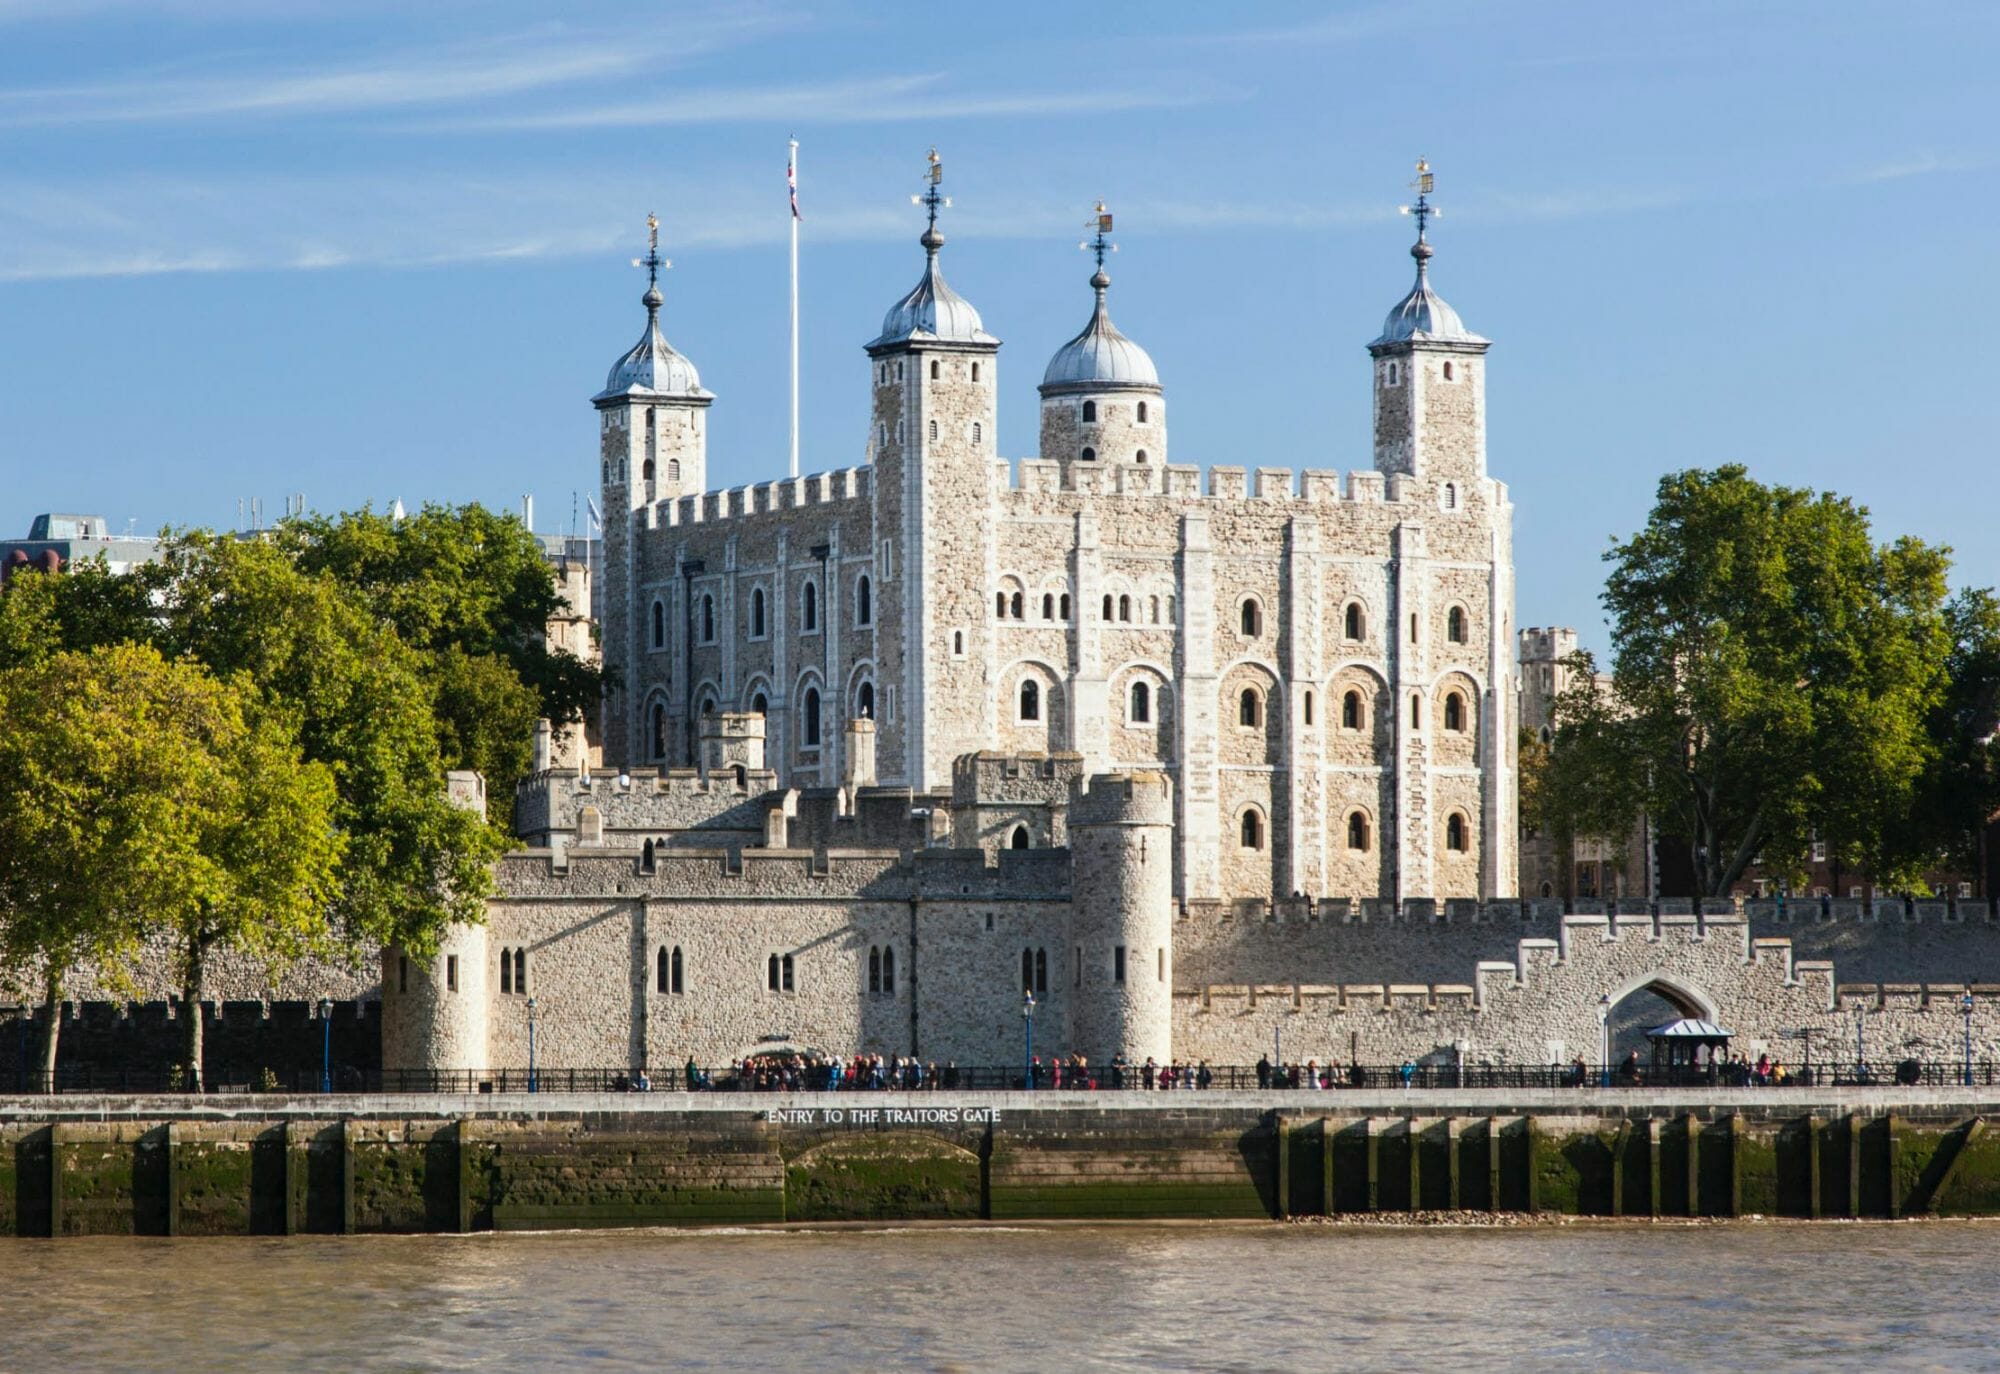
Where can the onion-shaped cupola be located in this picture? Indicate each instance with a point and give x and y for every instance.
(932, 313)
(1423, 317)
(651, 367)
(1101, 397)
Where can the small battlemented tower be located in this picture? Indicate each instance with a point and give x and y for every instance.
(1101, 397)
(933, 440)
(1430, 375)
(1121, 834)
(653, 442)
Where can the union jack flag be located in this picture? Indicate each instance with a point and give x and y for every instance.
(792, 185)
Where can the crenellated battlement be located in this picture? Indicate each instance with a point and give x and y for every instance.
(763, 498)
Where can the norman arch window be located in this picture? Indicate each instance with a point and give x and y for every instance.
(1395, 376)
(1454, 833)
(1153, 609)
(1125, 609)
(809, 608)
(1048, 606)
(1014, 606)
(658, 733)
(1354, 624)
(1142, 704)
(1250, 708)
(1357, 831)
(1454, 711)
(1031, 701)
(1020, 839)
(646, 470)
(673, 469)
(778, 973)
(935, 367)
(864, 603)
(809, 720)
(1035, 971)
(708, 620)
(1251, 831)
(975, 372)
(1449, 496)
(999, 605)
(757, 613)
(1416, 712)
(1142, 420)
(1062, 607)
(669, 979)
(1089, 454)
(1250, 616)
(1107, 606)
(1449, 374)
(864, 701)
(1143, 458)
(1350, 711)
(958, 644)
(1090, 412)
(1454, 625)
(659, 625)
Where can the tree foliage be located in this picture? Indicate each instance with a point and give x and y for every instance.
(1776, 675)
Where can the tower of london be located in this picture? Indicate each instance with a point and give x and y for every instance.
(890, 744)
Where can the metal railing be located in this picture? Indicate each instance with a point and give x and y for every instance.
(823, 1077)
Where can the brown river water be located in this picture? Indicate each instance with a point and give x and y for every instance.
(1626, 1297)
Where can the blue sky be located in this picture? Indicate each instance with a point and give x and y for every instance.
(371, 251)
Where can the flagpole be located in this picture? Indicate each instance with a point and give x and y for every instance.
(794, 165)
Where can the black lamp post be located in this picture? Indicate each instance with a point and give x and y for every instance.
(531, 1044)
(1965, 1005)
(1028, 1026)
(326, 1044)
(1604, 1040)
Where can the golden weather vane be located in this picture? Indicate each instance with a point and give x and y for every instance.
(932, 199)
(1100, 242)
(652, 262)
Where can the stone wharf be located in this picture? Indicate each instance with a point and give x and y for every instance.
(270, 1166)
(1215, 768)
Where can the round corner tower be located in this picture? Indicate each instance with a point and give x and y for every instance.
(434, 1013)
(1121, 828)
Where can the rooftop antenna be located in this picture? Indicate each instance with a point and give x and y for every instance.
(1425, 212)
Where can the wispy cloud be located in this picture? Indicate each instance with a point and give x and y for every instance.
(535, 60)
(1920, 165)
(874, 100)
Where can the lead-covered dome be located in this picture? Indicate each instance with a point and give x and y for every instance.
(932, 312)
(1422, 316)
(1100, 357)
(651, 367)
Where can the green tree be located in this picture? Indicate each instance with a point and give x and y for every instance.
(1775, 672)
(1959, 793)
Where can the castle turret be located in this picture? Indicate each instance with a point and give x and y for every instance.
(1101, 397)
(1430, 381)
(653, 440)
(932, 437)
(1121, 841)
(732, 740)
(434, 1011)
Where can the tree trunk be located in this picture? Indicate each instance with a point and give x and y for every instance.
(191, 1004)
(51, 1031)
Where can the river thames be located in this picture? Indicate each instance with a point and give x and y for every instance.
(1200, 1297)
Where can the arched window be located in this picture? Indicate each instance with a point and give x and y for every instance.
(864, 603)
(1454, 711)
(708, 706)
(1394, 375)
(659, 626)
(875, 955)
(999, 605)
(888, 969)
(742, 776)
(934, 376)
(659, 732)
(1350, 711)
(646, 858)
(759, 704)
(1153, 609)
(1416, 712)
(809, 608)
(1027, 970)
(1253, 830)
(934, 423)
(1041, 973)
(1142, 456)
(1454, 625)
(1449, 375)
(864, 701)
(1014, 606)
(757, 613)
(1107, 606)
(958, 642)
(521, 971)
(1451, 496)
(1021, 839)
(1031, 701)
(1309, 707)
(1142, 418)
(809, 719)
(1454, 833)
(673, 469)
(1090, 412)
(1356, 625)
(1048, 606)
(976, 432)
(975, 372)
(646, 470)
(664, 977)
(1062, 607)
(708, 620)
(1142, 703)
(674, 966)
(1252, 616)
(771, 973)
(1089, 455)
(1357, 831)
(1249, 708)
(1125, 609)
(506, 970)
